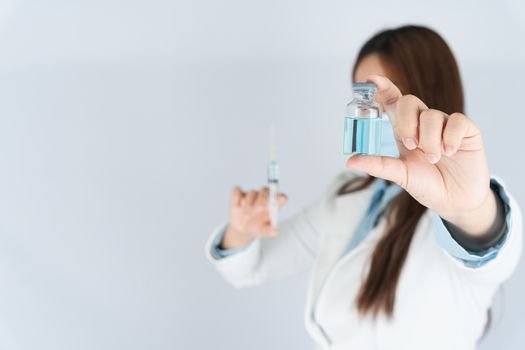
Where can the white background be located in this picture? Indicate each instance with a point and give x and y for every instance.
(124, 125)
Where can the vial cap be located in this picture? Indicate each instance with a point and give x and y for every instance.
(364, 86)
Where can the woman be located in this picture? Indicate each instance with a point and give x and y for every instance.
(410, 255)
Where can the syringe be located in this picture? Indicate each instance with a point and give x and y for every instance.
(273, 182)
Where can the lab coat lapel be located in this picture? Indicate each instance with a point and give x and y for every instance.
(344, 215)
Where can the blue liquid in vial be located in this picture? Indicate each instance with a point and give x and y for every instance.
(362, 135)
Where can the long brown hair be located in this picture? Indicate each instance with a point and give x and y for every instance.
(420, 63)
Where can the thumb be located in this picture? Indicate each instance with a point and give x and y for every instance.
(388, 168)
(282, 199)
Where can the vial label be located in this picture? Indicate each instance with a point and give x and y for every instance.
(362, 136)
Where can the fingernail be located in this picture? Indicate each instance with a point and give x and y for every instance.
(432, 158)
(410, 143)
(449, 150)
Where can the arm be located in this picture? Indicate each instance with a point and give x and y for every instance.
(443, 165)
(291, 251)
(478, 238)
(492, 258)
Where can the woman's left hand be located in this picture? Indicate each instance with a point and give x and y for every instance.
(442, 161)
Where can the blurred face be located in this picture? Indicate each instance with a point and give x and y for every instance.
(369, 65)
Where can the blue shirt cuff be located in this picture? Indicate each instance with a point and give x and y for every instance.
(219, 253)
(473, 259)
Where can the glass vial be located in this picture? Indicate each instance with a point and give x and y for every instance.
(362, 122)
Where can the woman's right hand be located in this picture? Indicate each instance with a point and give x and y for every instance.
(249, 217)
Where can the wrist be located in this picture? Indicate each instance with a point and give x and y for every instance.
(479, 221)
(234, 238)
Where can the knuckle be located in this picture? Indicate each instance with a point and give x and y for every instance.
(457, 123)
(425, 115)
(407, 100)
(461, 119)
(457, 116)
(435, 112)
(431, 115)
(410, 98)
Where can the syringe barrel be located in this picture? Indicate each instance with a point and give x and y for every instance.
(273, 171)
(273, 202)
(273, 189)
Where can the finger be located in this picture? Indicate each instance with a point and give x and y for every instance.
(269, 231)
(388, 168)
(242, 202)
(262, 198)
(250, 199)
(387, 92)
(431, 124)
(406, 121)
(282, 199)
(235, 199)
(456, 128)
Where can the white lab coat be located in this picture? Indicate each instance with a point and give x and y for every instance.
(440, 302)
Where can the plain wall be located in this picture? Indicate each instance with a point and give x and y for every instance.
(124, 125)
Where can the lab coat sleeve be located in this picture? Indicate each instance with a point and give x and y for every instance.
(496, 264)
(293, 250)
